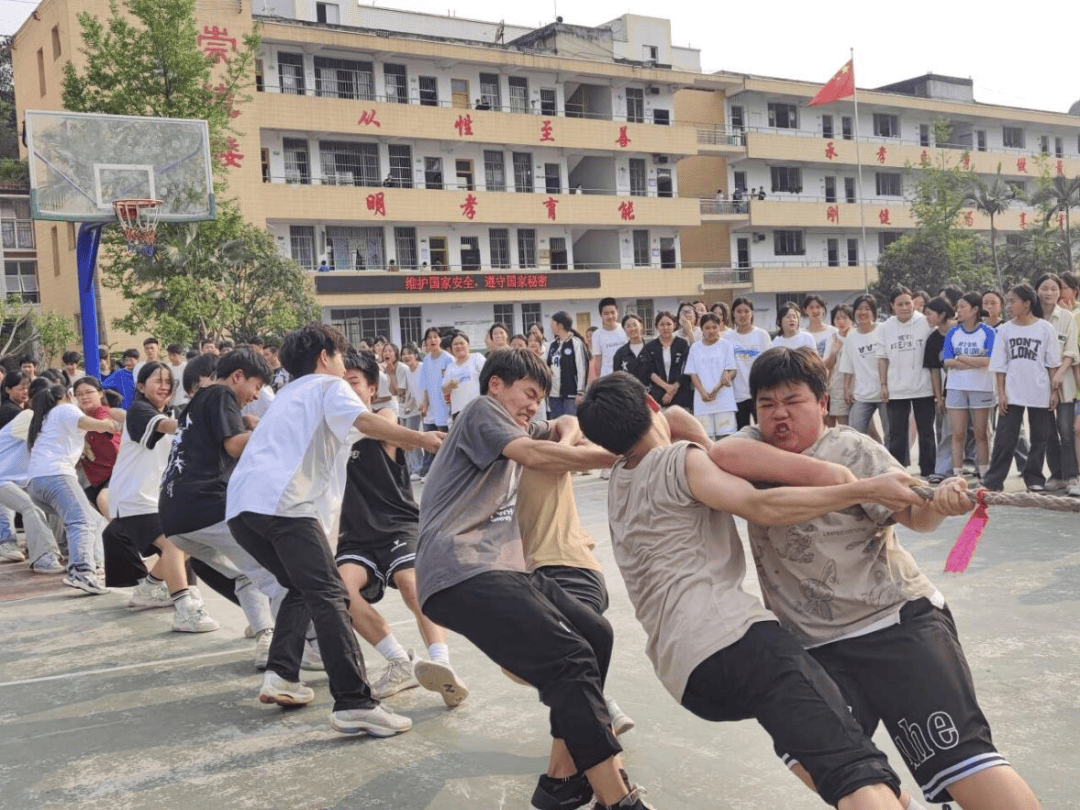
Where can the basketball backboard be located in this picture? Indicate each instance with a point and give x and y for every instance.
(80, 163)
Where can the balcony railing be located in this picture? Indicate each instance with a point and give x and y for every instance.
(720, 136)
(724, 207)
(17, 234)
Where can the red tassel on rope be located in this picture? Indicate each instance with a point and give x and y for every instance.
(964, 549)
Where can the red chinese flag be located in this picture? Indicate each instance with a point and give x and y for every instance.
(839, 86)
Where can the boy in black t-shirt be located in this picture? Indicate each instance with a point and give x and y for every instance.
(210, 437)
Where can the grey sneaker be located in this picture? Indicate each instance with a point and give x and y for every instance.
(145, 596)
(397, 677)
(47, 563)
(262, 648)
(441, 678)
(10, 550)
(85, 581)
(276, 689)
(377, 722)
(192, 619)
(620, 720)
(1054, 484)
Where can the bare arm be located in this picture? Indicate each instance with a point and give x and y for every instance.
(234, 445)
(566, 430)
(684, 426)
(166, 426)
(594, 368)
(758, 461)
(883, 377)
(371, 424)
(949, 499)
(556, 457)
(99, 425)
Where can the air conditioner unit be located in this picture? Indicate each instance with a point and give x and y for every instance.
(660, 158)
(653, 91)
(759, 237)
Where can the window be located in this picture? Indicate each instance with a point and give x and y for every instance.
(635, 105)
(787, 178)
(489, 92)
(530, 314)
(343, 78)
(523, 175)
(548, 101)
(1014, 240)
(641, 248)
(650, 53)
(1059, 147)
(738, 123)
(847, 130)
(56, 42)
(853, 252)
(412, 325)
(783, 116)
(888, 184)
(924, 134)
(297, 165)
(41, 70)
(326, 13)
(668, 254)
(397, 84)
(832, 252)
(429, 91)
(349, 164)
(639, 178)
(886, 238)
(355, 249)
(526, 238)
(980, 140)
(645, 309)
(433, 172)
(827, 130)
(559, 259)
(470, 253)
(661, 117)
(405, 247)
(494, 170)
(302, 245)
(552, 178)
(500, 247)
(400, 165)
(260, 76)
(1044, 144)
(504, 314)
(849, 189)
(356, 324)
(1012, 137)
(16, 226)
(788, 243)
(20, 278)
(519, 94)
(886, 125)
(464, 174)
(56, 250)
(291, 73)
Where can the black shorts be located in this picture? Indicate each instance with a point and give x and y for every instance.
(126, 540)
(913, 677)
(584, 584)
(94, 490)
(767, 675)
(382, 560)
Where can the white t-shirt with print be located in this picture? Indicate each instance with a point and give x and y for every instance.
(467, 375)
(1023, 354)
(709, 362)
(823, 340)
(747, 348)
(859, 359)
(903, 345)
(604, 345)
(60, 443)
(959, 342)
(799, 340)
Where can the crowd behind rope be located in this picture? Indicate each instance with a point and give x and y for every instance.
(156, 476)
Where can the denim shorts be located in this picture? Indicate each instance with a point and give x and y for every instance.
(968, 400)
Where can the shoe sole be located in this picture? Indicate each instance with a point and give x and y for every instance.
(142, 606)
(13, 557)
(360, 726)
(393, 690)
(53, 571)
(626, 725)
(282, 699)
(440, 678)
(196, 629)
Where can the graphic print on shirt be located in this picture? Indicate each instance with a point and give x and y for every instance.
(1024, 348)
(883, 592)
(175, 465)
(819, 593)
(796, 546)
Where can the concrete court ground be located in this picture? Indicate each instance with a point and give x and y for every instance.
(103, 708)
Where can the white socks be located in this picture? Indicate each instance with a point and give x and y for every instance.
(913, 805)
(391, 650)
(439, 652)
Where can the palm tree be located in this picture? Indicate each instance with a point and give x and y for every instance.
(990, 199)
(1060, 195)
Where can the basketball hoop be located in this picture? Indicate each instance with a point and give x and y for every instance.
(139, 221)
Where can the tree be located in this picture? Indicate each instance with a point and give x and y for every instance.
(990, 199)
(1059, 196)
(9, 128)
(22, 327)
(925, 260)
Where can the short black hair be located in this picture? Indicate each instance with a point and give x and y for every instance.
(923, 294)
(784, 309)
(896, 292)
(28, 358)
(867, 299)
(709, 317)
(780, 365)
(1070, 280)
(204, 341)
(256, 341)
(511, 365)
(740, 301)
(301, 348)
(173, 348)
(199, 366)
(665, 314)
(151, 341)
(247, 361)
(71, 357)
(614, 413)
(813, 298)
(226, 346)
(365, 363)
(942, 307)
(607, 302)
(841, 308)
(149, 370)
(953, 293)
(632, 315)
(131, 353)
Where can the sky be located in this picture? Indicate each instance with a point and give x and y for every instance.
(997, 43)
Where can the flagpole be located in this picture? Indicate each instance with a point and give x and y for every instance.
(859, 193)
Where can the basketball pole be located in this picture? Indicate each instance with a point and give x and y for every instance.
(86, 253)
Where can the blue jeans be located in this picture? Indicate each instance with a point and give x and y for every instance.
(39, 537)
(62, 495)
(561, 406)
(414, 458)
(862, 412)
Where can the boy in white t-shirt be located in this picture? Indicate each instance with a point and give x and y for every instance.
(279, 507)
(606, 340)
(711, 366)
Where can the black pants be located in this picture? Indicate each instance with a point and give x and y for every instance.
(126, 540)
(546, 637)
(745, 413)
(584, 584)
(1008, 431)
(295, 551)
(899, 445)
(1060, 450)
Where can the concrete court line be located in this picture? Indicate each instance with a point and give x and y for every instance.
(120, 668)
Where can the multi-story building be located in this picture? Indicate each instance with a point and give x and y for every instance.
(18, 247)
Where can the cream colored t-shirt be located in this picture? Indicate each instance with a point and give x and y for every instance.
(551, 533)
(842, 572)
(682, 563)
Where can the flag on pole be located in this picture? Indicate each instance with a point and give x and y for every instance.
(839, 86)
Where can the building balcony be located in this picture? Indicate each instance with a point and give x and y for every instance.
(382, 119)
(814, 276)
(889, 213)
(296, 203)
(721, 142)
(713, 210)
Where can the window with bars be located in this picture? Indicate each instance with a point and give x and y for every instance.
(526, 239)
(494, 170)
(291, 73)
(530, 314)
(635, 105)
(397, 84)
(401, 165)
(552, 178)
(20, 279)
(787, 178)
(302, 245)
(886, 238)
(429, 91)
(549, 103)
(641, 248)
(349, 164)
(504, 314)
(489, 91)
(500, 247)
(783, 116)
(344, 78)
(639, 178)
(559, 258)
(405, 247)
(297, 162)
(356, 248)
(412, 325)
(519, 94)
(523, 173)
(433, 177)
(788, 243)
(645, 308)
(357, 324)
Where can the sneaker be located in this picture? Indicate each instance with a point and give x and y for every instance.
(47, 563)
(1074, 490)
(377, 721)
(192, 619)
(934, 479)
(1036, 488)
(248, 632)
(631, 801)
(85, 581)
(561, 794)
(312, 657)
(397, 677)
(146, 596)
(262, 648)
(415, 477)
(276, 689)
(620, 720)
(10, 550)
(196, 596)
(441, 678)
(1054, 484)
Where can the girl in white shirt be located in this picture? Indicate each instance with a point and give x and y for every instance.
(966, 354)
(842, 320)
(858, 364)
(791, 336)
(1060, 448)
(749, 342)
(461, 380)
(711, 366)
(814, 309)
(56, 437)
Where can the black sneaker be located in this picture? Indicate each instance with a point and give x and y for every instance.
(631, 801)
(562, 794)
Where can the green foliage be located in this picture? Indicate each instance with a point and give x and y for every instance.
(1059, 196)
(13, 170)
(991, 198)
(924, 260)
(1038, 249)
(22, 327)
(9, 127)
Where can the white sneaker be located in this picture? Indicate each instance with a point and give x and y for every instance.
(312, 657)
(276, 689)
(377, 722)
(47, 563)
(146, 596)
(1074, 490)
(415, 477)
(1054, 484)
(441, 678)
(10, 550)
(85, 581)
(196, 596)
(262, 648)
(192, 619)
(620, 720)
(397, 677)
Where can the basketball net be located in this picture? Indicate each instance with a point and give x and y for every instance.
(139, 221)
